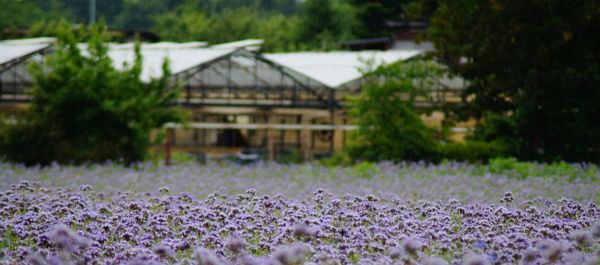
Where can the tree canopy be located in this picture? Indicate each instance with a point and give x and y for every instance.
(535, 64)
(85, 110)
(389, 127)
(285, 25)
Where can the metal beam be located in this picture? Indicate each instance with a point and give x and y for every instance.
(261, 126)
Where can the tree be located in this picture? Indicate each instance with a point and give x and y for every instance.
(373, 16)
(325, 23)
(389, 127)
(185, 23)
(234, 24)
(18, 15)
(137, 14)
(189, 23)
(84, 110)
(280, 33)
(541, 72)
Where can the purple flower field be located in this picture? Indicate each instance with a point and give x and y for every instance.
(267, 213)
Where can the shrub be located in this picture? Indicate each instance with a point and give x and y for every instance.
(389, 127)
(340, 158)
(472, 151)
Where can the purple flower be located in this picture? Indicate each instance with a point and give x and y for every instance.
(302, 230)
(474, 259)
(163, 251)
(434, 261)
(583, 238)
(529, 256)
(204, 256)
(290, 255)
(411, 246)
(235, 245)
(66, 239)
(551, 251)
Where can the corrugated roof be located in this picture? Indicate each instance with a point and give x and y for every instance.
(151, 46)
(14, 49)
(249, 44)
(175, 45)
(334, 69)
(338, 69)
(40, 40)
(179, 59)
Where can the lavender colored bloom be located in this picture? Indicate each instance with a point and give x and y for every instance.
(411, 246)
(302, 230)
(596, 230)
(474, 259)
(235, 245)
(290, 255)
(434, 261)
(142, 261)
(583, 238)
(37, 259)
(163, 251)
(507, 197)
(551, 251)
(66, 239)
(396, 253)
(204, 256)
(230, 218)
(84, 187)
(529, 256)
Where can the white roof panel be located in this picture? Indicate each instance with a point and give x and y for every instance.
(179, 59)
(41, 40)
(151, 46)
(335, 69)
(249, 44)
(174, 45)
(412, 45)
(11, 51)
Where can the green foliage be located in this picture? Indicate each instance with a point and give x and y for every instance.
(58, 27)
(325, 23)
(340, 158)
(280, 33)
(364, 169)
(513, 167)
(185, 23)
(374, 15)
(471, 151)
(540, 73)
(285, 25)
(234, 24)
(18, 15)
(84, 110)
(321, 25)
(10, 241)
(14, 14)
(189, 23)
(290, 156)
(137, 14)
(389, 127)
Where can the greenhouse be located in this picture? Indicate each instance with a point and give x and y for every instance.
(238, 97)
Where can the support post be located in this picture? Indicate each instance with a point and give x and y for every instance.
(92, 11)
(168, 147)
(188, 90)
(332, 108)
(282, 136)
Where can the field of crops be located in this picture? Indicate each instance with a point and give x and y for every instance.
(452, 213)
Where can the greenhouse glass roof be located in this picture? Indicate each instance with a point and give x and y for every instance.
(337, 69)
(12, 50)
